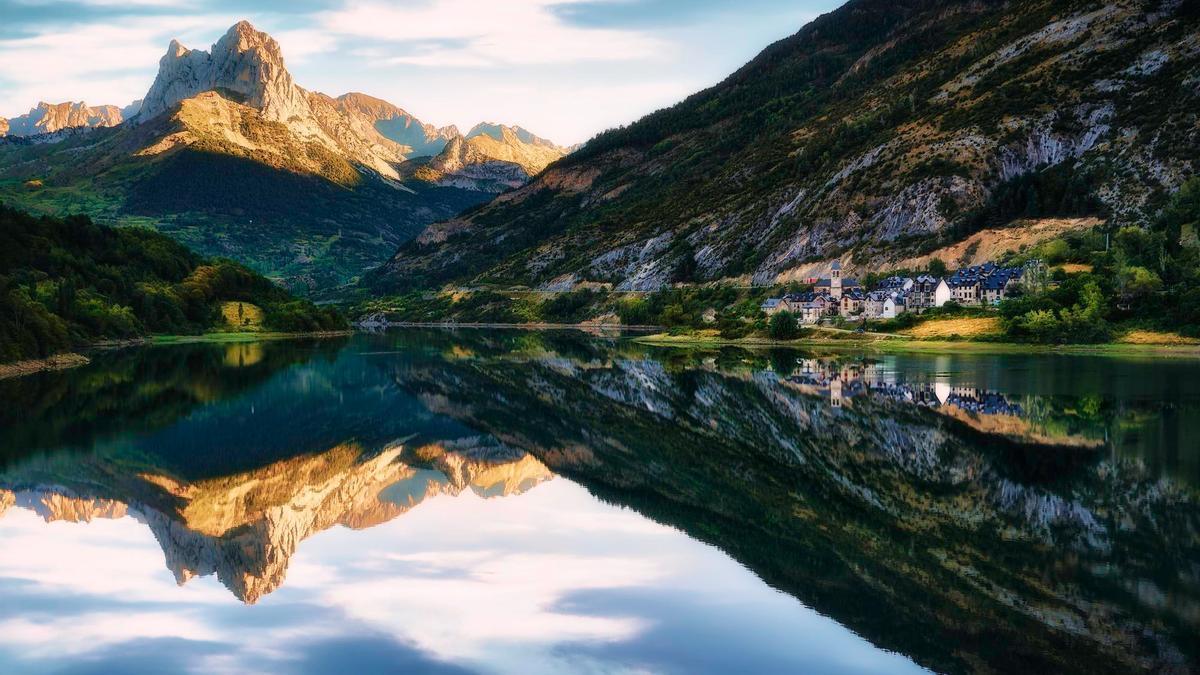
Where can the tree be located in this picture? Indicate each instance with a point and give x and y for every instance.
(1135, 283)
(936, 267)
(783, 326)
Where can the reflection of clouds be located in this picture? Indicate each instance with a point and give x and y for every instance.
(550, 581)
(512, 599)
(42, 635)
(117, 558)
(499, 577)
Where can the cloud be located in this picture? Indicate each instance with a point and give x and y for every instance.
(300, 44)
(472, 34)
(98, 62)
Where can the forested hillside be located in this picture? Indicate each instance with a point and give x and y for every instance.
(68, 282)
(882, 130)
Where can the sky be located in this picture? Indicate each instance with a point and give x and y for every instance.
(564, 69)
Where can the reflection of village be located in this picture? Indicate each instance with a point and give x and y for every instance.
(982, 409)
(842, 381)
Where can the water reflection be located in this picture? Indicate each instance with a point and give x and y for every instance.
(995, 513)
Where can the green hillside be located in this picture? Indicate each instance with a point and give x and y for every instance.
(882, 130)
(290, 210)
(66, 282)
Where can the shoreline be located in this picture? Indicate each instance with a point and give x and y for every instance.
(523, 326)
(31, 366)
(66, 360)
(902, 344)
(234, 337)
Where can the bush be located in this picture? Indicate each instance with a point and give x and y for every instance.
(783, 326)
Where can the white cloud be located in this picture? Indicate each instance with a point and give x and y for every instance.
(96, 62)
(476, 33)
(301, 44)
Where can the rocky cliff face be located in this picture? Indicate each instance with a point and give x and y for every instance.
(246, 67)
(878, 129)
(244, 62)
(48, 118)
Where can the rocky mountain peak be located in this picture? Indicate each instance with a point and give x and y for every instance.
(245, 62)
(46, 118)
(396, 124)
(176, 50)
(505, 133)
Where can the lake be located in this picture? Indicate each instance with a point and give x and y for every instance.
(545, 502)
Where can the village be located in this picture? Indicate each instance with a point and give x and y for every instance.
(835, 297)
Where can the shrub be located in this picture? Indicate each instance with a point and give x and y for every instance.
(783, 326)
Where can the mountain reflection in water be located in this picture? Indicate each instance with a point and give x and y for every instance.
(968, 512)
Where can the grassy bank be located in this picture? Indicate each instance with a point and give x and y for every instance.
(902, 344)
(67, 360)
(241, 336)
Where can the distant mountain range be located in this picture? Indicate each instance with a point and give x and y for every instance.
(879, 132)
(50, 117)
(229, 155)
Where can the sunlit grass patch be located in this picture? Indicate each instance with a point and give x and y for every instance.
(965, 328)
(1075, 268)
(242, 315)
(1152, 337)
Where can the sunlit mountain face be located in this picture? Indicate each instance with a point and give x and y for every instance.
(541, 502)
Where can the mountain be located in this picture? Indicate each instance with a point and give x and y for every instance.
(879, 131)
(50, 117)
(70, 282)
(227, 154)
(490, 158)
(245, 67)
(419, 139)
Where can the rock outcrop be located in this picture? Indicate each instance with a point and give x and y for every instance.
(244, 62)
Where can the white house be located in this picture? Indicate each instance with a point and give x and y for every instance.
(892, 307)
(942, 294)
(884, 304)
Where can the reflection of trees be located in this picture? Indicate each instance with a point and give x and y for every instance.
(133, 391)
(963, 550)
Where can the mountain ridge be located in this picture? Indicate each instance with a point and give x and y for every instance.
(877, 131)
(47, 118)
(228, 154)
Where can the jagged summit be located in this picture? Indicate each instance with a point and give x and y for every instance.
(245, 61)
(315, 189)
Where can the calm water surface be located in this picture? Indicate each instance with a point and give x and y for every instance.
(525, 502)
